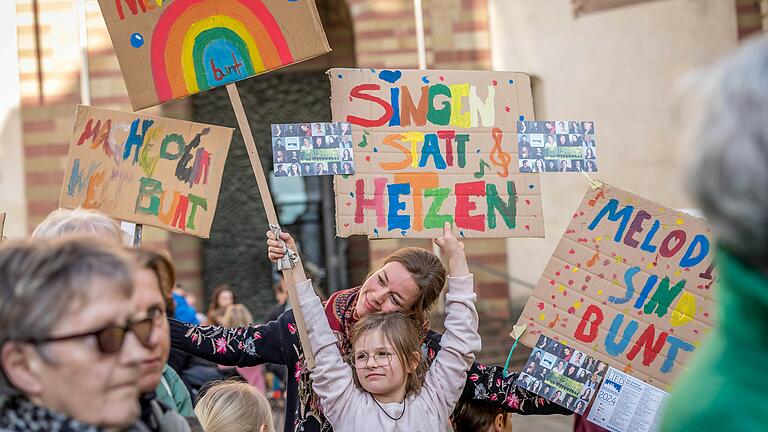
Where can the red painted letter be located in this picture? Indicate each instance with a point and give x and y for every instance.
(357, 92)
(593, 316)
(464, 205)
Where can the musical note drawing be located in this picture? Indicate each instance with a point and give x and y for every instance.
(553, 323)
(481, 173)
(499, 157)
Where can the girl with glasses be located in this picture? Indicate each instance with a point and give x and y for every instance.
(390, 386)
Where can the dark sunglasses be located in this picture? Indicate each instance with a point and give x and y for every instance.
(110, 339)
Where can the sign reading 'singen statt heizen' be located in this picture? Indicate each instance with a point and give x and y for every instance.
(147, 170)
(630, 283)
(432, 147)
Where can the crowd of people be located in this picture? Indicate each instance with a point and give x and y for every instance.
(97, 336)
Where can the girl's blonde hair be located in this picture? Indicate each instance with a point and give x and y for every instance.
(403, 332)
(234, 406)
(237, 315)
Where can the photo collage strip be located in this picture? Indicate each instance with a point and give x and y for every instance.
(556, 146)
(561, 374)
(312, 149)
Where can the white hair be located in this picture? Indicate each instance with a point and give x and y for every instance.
(728, 175)
(63, 222)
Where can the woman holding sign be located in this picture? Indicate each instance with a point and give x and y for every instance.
(410, 281)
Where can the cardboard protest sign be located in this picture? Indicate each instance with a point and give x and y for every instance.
(172, 49)
(312, 149)
(431, 147)
(626, 404)
(630, 283)
(147, 170)
(586, 6)
(556, 146)
(562, 374)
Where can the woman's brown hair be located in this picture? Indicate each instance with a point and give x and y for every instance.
(404, 333)
(163, 268)
(428, 273)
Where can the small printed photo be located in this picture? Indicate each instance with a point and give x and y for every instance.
(586, 394)
(281, 170)
(346, 154)
(331, 128)
(536, 386)
(291, 143)
(294, 170)
(542, 342)
(523, 139)
(578, 356)
(601, 368)
(533, 127)
(530, 368)
(547, 392)
(588, 127)
(293, 156)
(571, 371)
(548, 361)
(588, 140)
(577, 165)
(307, 169)
(525, 151)
(590, 166)
(538, 166)
(589, 364)
(278, 143)
(562, 140)
(318, 142)
(563, 165)
(526, 166)
(332, 141)
(333, 168)
(582, 375)
(537, 140)
(551, 166)
(579, 407)
(567, 353)
(318, 129)
(291, 130)
(549, 128)
(525, 380)
(537, 355)
(569, 402)
(306, 143)
(554, 347)
(347, 168)
(542, 372)
(558, 396)
(588, 152)
(277, 130)
(320, 169)
(575, 128)
(559, 367)
(345, 128)
(593, 381)
(574, 140)
(550, 141)
(561, 127)
(279, 156)
(522, 127)
(305, 129)
(538, 153)
(346, 141)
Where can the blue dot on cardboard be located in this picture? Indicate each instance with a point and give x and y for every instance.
(403, 233)
(137, 40)
(375, 150)
(352, 194)
(340, 76)
(511, 81)
(522, 117)
(531, 186)
(425, 80)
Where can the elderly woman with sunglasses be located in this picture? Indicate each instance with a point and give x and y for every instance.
(69, 351)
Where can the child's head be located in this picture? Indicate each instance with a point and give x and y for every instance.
(236, 315)
(234, 406)
(478, 416)
(386, 354)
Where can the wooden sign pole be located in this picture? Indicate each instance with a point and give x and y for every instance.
(296, 273)
(2, 225)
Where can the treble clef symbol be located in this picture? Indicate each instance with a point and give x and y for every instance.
(499, 157)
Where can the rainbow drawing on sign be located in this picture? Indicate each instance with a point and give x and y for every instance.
(198, 45)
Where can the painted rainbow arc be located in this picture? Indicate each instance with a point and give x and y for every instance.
(201, 44)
